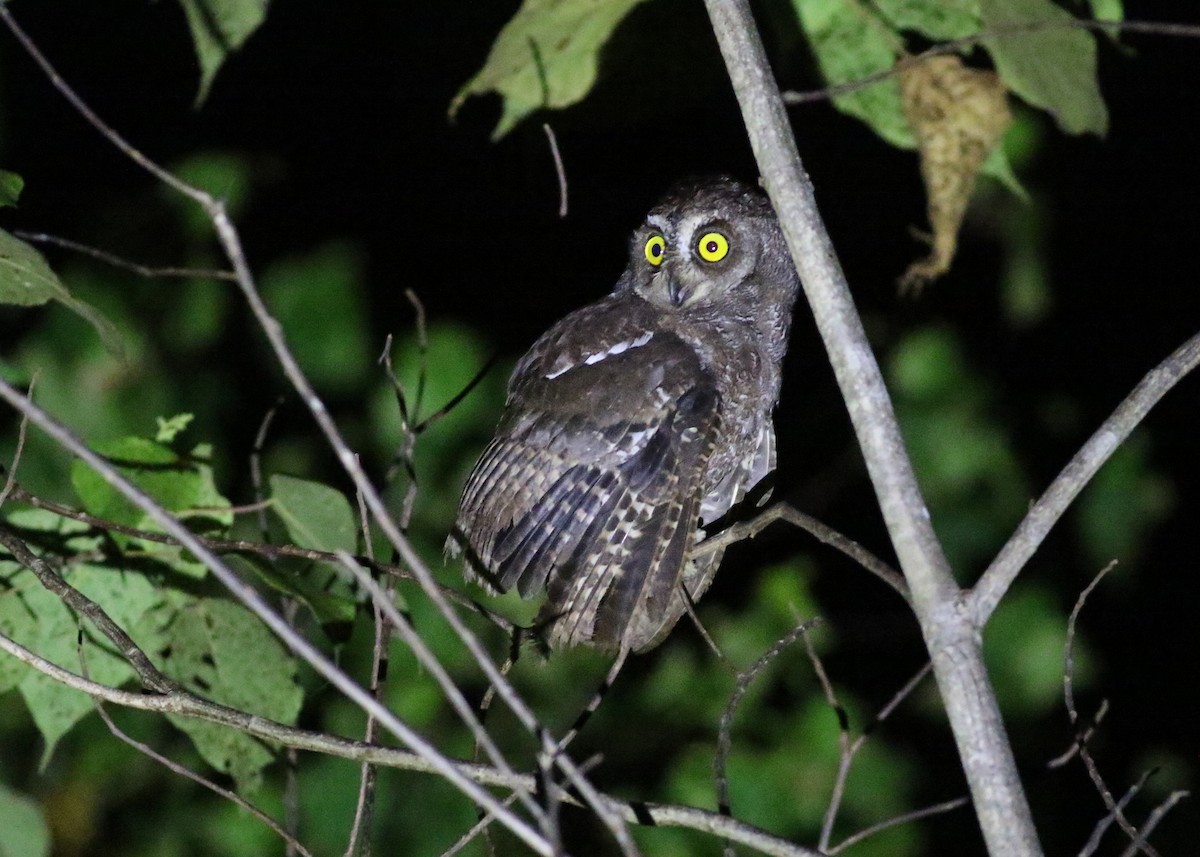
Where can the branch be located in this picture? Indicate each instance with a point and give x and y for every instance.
(1078, 472)
(186, 704)
(821, 532)
(952, 639)
(253, 600)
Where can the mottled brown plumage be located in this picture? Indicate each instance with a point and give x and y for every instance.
(635, 421)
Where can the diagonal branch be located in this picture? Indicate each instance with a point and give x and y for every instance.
(1062, 491)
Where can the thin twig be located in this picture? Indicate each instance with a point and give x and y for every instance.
(741, 685)
(822, 532)
(558, 169)
(125, 264)
(1154, 818)
(364, 808)
(1110, 803)
(1081, 739)
(1102, 826)
(915, 815)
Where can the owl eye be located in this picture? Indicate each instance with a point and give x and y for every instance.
(713, 247)
(656, 248)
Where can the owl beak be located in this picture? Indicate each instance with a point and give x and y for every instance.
(676, 291)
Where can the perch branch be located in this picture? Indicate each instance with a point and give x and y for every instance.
(821, 532)
(952, 638)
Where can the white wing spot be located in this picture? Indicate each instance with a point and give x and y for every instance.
(591, 359)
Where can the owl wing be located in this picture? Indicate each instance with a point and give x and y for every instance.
(591, 488)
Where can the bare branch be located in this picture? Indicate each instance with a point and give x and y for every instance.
(952, 638)
(1105, 823)
(1152, 821)
(915, 815)
(1045, 513)
(1114, 809)
(823, 533)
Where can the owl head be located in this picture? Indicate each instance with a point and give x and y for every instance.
(710, 242)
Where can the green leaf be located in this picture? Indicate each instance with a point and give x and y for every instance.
(333, 605)
(26, 280)
(222, 651)
(11, 186)
(316, 516)
(1023, 646)
(851, 44)
(546, 56)
(170, 428)
(318, 300)
(1107, 10)
(938, 19)
(220, 27)
(1054, 69)
(25, 831)
(180, 483)
(38, 620)
(1122, 503)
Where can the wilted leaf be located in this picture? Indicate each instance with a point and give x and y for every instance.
(958, 115)
(220, 27)
(26, 280)
(546, 56)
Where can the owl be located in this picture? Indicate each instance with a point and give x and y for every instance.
(635, 422)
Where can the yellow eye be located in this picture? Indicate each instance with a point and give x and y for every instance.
(656, 248)
(713, 247)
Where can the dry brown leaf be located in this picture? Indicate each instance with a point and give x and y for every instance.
(958, 115)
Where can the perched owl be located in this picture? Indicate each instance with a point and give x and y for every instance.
(636, 421)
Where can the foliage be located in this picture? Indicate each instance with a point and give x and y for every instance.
(177, 412)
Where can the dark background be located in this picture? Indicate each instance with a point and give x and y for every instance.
(343, 107)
